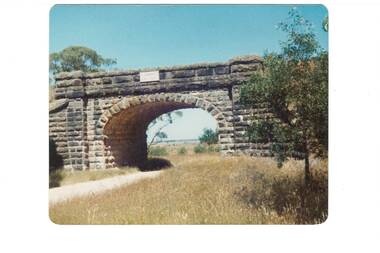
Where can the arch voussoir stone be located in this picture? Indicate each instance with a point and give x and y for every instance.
(103, 119)
(107, 113)
(115, 109)
(177, 98)
(190, 100)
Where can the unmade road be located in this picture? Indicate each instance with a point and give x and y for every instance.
(68, 192)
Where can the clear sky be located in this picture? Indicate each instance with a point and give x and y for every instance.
(140, 36)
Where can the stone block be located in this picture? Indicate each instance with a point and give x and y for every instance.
(106, 80)
(134, 101)
(115, 109)
(199, 103)
(205, 72)
(122, 79)
(183, 73)
(94, 82)
(222, 70)
(244, 68)
(226, 130)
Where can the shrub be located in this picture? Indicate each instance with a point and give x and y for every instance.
(182, 151)
(157, 151)
(200, 149)
(212, 149)
(209, 136)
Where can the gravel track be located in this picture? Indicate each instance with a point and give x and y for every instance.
(68, 192)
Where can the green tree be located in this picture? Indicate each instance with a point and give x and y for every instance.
(77, 58)
(209, 136)
(294, 84)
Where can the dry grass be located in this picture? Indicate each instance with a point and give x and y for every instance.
(63, 177)
(208, 189)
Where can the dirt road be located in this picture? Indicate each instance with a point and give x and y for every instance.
(67, 192)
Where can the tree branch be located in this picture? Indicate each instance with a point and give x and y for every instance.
(156, 134)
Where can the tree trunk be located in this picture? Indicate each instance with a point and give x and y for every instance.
(307, 168)
(156, 134)
(306, 158)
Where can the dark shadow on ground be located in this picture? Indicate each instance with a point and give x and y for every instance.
(153, 164)
(55, 164)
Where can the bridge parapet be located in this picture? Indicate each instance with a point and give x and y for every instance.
(201, 76)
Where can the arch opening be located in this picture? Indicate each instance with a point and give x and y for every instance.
(125, 131)
(186, 127)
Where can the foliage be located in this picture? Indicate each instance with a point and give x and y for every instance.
(157, 151)
(198, 149)
(294, 83)
(213, 148)
(182, 151)
(161, 135)
(77, 58)
(209, 136)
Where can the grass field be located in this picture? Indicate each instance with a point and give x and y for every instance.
(209, 189)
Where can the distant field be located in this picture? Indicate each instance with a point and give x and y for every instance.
(173, 148)
(208, 189)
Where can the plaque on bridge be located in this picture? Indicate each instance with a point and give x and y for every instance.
(150, 76)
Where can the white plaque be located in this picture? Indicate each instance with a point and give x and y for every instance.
(150, 76)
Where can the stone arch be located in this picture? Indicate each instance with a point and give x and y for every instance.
(123, 126)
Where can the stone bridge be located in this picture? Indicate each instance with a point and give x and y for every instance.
(99, 120)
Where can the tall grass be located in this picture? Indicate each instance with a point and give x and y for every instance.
(202, 148)
(158, 151)
(199, 149)
(182, 151)
(208, 189)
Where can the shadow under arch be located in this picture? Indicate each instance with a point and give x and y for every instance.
(123, 126)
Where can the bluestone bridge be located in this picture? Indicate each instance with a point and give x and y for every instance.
(99, 120)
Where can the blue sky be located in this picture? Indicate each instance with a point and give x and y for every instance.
(140, 36)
